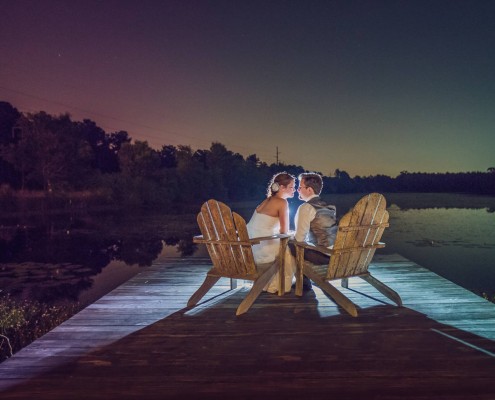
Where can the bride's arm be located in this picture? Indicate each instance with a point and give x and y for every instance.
(283, 216)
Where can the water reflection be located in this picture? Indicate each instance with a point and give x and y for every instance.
(55, 258)
(83, 256)
(456, 243)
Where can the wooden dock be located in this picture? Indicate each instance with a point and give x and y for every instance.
(140, 342)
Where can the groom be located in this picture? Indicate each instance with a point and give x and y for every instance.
(315, 221)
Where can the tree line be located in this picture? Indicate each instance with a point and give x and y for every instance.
(54, 154)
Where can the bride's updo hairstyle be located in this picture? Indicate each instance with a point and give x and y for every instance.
(282, 178)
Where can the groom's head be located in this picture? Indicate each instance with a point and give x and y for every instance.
(310, 183)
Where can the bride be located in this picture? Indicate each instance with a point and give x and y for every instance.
(272, 217)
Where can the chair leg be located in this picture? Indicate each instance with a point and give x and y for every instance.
(335, 294)
(203, 289)
(257, 288)
(383, 289)
(299, 270)
(281, 266)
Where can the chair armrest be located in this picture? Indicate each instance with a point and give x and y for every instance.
(306, 245)
(256, 240)
(199, 239)
(277, 236)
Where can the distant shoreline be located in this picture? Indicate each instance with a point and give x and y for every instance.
(40, 203)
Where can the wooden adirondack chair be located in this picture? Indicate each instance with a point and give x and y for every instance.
(231, 251)
(358, 237)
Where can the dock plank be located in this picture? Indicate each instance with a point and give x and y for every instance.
(140, 341)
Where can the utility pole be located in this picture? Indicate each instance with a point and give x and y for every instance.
(276, 155)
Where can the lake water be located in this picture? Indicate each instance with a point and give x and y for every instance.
(81, 257)
(456, 243)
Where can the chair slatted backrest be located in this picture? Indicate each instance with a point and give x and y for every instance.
(227, 239)
(358, 237)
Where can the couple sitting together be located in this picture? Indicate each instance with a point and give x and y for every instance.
(315, 223)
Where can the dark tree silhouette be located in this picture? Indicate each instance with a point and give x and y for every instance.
(43, 152)
(9, 116)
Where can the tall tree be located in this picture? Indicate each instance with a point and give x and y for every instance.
(8, 119)
(115, 141)
(50, 152)
(9, 116)
(138, 159)
(168, 156)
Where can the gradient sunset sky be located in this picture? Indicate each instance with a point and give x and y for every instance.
(369, 87)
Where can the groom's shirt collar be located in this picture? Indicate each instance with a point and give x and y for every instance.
(312, 197)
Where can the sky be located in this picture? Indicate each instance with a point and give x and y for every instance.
(369, 87)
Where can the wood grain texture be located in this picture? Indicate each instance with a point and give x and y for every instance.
(231, 250)
(358, 237)
(141, 342)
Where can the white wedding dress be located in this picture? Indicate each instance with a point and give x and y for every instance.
(265, 225)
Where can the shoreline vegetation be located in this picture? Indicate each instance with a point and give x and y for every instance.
(77, 163)
(22, 322)
(39, 203)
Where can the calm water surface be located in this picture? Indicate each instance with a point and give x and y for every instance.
(456, 243)
(81, 257)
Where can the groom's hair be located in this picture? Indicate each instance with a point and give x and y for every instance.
(313, 180)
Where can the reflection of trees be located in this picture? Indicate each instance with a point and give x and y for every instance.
(184, 244)
(137, 251)
(65, 291)
(413, 201)
(187, 247)
(89, 249)
(44, 282)
(56, 257)
(43, 245)
(171, 240)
